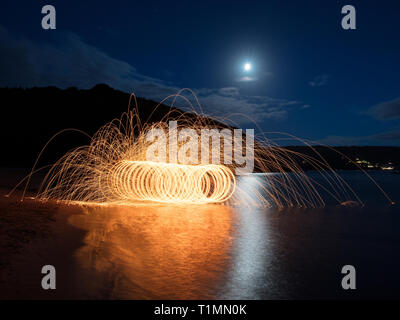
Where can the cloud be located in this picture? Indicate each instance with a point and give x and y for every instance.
(386, 110)
(247, 79)
(226, 101)
(319, 81)
(383, 138)
(251, 78)
(70, 61)
(389, 136)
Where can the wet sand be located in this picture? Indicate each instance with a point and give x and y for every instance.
(34, 234)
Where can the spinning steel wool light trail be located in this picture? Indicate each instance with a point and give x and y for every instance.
(115, 168)
(168, 182)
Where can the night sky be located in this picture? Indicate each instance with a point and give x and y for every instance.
(309, 77)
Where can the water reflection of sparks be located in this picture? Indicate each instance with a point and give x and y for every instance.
(154, 252)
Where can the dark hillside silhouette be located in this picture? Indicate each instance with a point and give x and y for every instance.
(30, 117)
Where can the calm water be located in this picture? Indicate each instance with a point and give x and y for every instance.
(212, 251)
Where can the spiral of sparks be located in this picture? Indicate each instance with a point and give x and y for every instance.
(170, 182)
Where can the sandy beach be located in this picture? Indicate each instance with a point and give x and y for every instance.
(33, 234)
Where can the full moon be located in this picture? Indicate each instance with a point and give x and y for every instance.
(247, 66)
